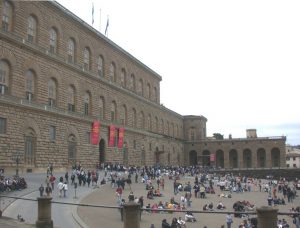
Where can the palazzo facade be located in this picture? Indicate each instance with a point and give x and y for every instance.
(58, 76)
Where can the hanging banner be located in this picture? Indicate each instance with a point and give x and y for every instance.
(121, 137)
(95, 132)
(212, 157)
(111, 141)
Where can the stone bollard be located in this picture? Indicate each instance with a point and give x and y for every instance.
(266, 217)
(44, 213)
(131, 212)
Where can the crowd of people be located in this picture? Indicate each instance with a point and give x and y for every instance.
(199, 184)
(8, 184)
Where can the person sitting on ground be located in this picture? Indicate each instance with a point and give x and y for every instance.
(189, 217)
(157, 193)
(205, 207)
(103, 181)
(150, 194)
(221, 206)
(211, 206)
(165, 224)
(181, 222)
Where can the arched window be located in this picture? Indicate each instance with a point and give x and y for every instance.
(132, 82)
(149, 124)
(101, 108)
(52, 93)
(142, 120)
(156, 124)
(123, 78)
(71, 99)
(113, 111)
(123, 115)
(112, 72)
(29, 85)
(148, 91)
(31, 30)
(155, 98)
(71, 51)
(86, 102)
(162, 126)
(86, 59)
(7, 16)
(53, 40)
(133, 117)
(4, 76)
(72, 148)
(141, 87)
(100, 66)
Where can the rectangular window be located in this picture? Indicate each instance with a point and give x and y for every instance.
(3, 89)
(88, 138)
(5, 26)
(134, 144)
(30, 38)
(112, 116)
(51, 102)
(2, 125)
(70, 59)
(86, 108)
(150, 146)
(52, 133)
(29, 96)
(288, 165)
(294, 165)
(101, 113)
(71, 108)
(294, 158)
(116, 137)
(52, 49)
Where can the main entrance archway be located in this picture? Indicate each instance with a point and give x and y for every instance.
(206, 158)
(220, 159)
(193, 157)
(275, 157)
(261, 158)
(233, 158)
(247, 158)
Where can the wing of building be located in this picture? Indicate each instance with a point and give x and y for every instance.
(68, 95)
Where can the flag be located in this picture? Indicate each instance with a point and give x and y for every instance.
(93, 14)
(107, 24)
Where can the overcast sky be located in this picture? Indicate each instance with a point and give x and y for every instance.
(235, 62)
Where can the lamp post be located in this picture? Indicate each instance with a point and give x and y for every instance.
(16, 158)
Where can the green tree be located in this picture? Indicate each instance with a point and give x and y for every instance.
(218, 136)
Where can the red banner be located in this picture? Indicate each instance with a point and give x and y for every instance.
(111, 141)
(212, 157)
(121, 137)
(95, 132)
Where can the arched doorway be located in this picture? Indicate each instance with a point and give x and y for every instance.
(102, 151)
(275, 157)
(247, 158)
(261, 158)
(193, 157)
(220, 159)
(233, 158)
(206, 158)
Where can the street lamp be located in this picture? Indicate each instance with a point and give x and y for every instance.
(16, 158)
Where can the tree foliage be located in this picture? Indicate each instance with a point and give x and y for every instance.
(218, 136)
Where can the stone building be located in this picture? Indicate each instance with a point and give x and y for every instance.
(59, 78)
(292, 157)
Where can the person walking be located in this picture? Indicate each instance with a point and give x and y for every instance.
(229, 220)
(65, 188)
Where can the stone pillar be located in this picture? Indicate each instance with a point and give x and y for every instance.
(266, 217)
(132, 215)
(44, 213)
